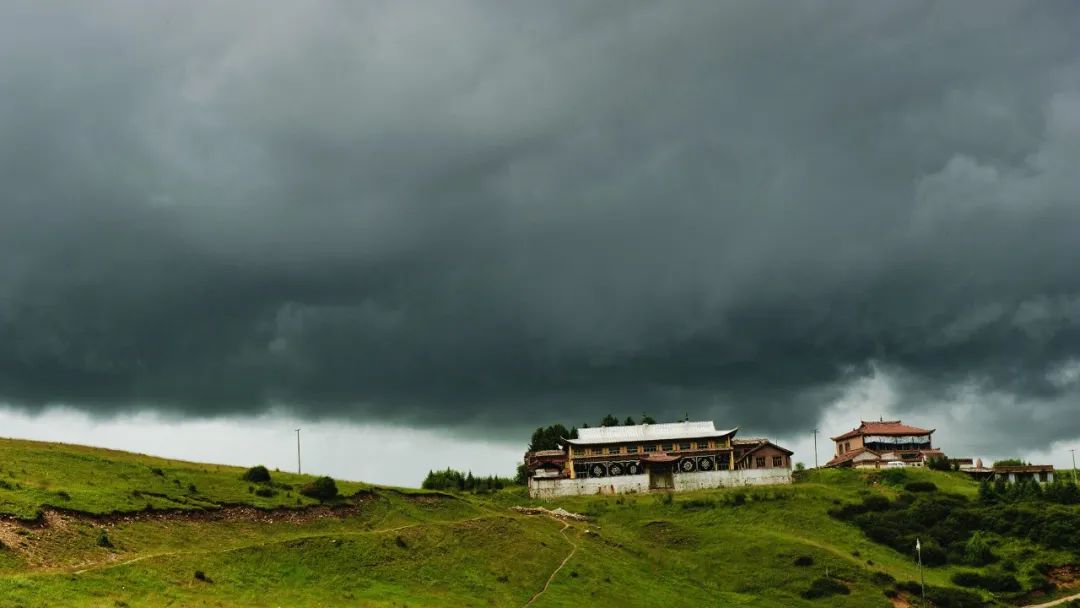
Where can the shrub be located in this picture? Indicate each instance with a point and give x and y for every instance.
(738, 498)
(62, 495)
(322, 489)
(157, 471)
(976, 551)
(882, 579)
(191, 488)
(266, 492)
(825, 587)
(256, 474)
(920, 486)
(939, 464)
(103, 539)
(399, 541)
(201, 576)
(804, 560)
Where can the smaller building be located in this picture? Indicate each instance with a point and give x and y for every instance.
(884, 443)
(1041, 473)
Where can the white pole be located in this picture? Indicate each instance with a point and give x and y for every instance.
(922, 579)
(297, 451)
(1074, 463)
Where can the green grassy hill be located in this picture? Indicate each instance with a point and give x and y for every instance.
(89, 527)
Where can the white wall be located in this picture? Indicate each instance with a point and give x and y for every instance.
(628, 484)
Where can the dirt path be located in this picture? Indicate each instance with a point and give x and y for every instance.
(547, 584)
(1057, 602)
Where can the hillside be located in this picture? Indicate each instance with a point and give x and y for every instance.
(89, 527)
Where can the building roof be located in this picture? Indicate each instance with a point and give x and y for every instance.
(848, 455)
(882, 427)
(543, 453)
(1028, 468)
(649, 432)
(758, 443)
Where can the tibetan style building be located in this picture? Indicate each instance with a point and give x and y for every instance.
(884, 443)
(647, 457)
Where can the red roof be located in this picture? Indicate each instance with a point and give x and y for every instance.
(846, 456)
(883, 427)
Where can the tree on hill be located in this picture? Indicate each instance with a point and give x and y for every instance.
(647, 419)
(629, 421)
(321, 489)
(548, 438)
(467, 482)
(609, 420)
(1010, 462)
(256, 474)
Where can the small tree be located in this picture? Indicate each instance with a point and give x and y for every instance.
(976, 551)
(647, 419)
(938, 464)
(609, 420)
(256, 474)
(322, 489)
(629, 422)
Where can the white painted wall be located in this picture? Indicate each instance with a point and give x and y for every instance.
(639, 484)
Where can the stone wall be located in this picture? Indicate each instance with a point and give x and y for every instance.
(639, 484)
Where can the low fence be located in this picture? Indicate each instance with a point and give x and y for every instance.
(639, 484)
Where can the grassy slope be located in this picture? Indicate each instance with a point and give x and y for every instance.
(35, 474)
(410, 549)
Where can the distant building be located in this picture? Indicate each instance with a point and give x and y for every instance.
(1042, 473)
(655, 457)
(884, 443)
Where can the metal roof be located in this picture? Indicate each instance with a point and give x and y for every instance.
(648, 432)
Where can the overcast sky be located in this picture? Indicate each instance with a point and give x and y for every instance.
(453, 222)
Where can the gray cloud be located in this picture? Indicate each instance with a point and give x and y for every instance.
(497, 214)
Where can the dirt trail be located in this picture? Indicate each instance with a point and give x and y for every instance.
(573, 550)
(1057, 602)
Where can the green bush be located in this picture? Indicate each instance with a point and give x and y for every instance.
(266, 492)
(920, 486)
(976, 551)
(322, 489)
(103, 539)
(804, 560)
(825, 587)
(998, 581)
(256, 474)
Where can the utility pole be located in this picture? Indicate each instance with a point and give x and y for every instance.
(297, 451)
(815, 448)
(922, 579)
(1074, 463)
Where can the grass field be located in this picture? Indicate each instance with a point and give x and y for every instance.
(389, 547)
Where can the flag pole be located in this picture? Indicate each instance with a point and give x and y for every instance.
(922, 579)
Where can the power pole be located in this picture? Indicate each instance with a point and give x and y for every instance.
(1074, 463)
(297, 451)
(922, 579)
(815, 448)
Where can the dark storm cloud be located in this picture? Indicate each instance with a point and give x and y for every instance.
(508, 214)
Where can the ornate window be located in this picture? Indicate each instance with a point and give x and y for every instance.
(613, 449)
(684, 445)
(777, 461)
(631, 449)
